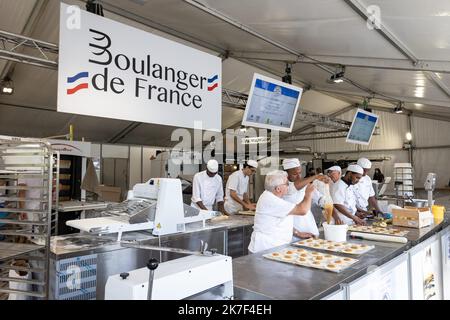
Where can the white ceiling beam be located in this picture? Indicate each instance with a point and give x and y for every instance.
(394, 100)
(357, 62)
(393, 40)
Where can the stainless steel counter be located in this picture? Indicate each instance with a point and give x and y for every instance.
(258, 278)
(97, 258)
(77, 244)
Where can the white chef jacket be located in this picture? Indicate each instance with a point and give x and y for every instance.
(238, 182)
(343, 194)
(273, 225)
(305, 223)
(363, 191)
(206, 189)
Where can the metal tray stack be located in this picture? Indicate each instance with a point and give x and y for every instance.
(26, 175)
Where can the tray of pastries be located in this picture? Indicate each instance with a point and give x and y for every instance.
(327, 245)
(311, 259)
(378, 230)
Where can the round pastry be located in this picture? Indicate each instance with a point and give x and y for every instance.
(309, 240)
(363, 245)
(330, 248)
(316, 263)
(331, 266)
(337, 245)
(354, 247)
(287, 257)
(315, 253)
(300, 250)
(275, 254)
(303, 255)
(328, 256)
(318, 257)
(302, 259)
(289, 252)
(347, 259)
(338, 262)
(348, 250)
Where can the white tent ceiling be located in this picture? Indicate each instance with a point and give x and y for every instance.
(271, 33)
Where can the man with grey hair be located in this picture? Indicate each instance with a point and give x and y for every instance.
(274, 223)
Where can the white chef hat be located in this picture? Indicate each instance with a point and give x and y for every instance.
(212, 166)
(355, 168)
(334, 168)
(364, 163)
(252, 163)
(291, 163)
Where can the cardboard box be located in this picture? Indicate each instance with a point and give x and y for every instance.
(412, 217)
(107, 193)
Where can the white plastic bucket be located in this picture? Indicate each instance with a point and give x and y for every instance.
(335, 232)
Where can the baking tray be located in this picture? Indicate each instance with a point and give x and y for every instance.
(311, 259)
(327, 245)
(378, 230)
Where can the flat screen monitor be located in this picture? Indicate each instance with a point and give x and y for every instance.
(362, 127)
(271, 104)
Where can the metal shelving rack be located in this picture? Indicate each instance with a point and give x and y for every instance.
(30, 159)
(404, 180)
(55, 202)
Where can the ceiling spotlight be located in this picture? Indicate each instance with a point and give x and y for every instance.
(399, 108)
(6, 86)
(338, 76)
(408, 136)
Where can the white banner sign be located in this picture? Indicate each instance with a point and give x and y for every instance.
(108, 69)
(73, 148)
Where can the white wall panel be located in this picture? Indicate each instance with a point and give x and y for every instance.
(135, 166)
(432, 160)
(429, 132)
(114, 151)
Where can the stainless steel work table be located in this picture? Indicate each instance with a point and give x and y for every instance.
(258, 278)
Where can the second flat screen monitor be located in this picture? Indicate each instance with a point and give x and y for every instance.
(271, 104)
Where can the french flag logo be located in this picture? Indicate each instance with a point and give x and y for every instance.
(75, 78)
(213, 83)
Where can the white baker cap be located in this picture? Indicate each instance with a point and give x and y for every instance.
(334, 168)
(252, 163)
(291, 163)
(212, 166)
(364, 163)
(355, 168)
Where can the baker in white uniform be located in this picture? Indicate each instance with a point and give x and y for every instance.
(343, 195)
(305, 226)
(273, 219)
(236, 190)
(334, 173)
(207, 188)
(364, 193)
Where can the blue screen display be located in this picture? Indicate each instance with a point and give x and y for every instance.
(362, 127)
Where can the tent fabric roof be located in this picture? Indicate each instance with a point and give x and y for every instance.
(327, 30)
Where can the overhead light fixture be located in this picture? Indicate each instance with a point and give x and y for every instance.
(399, 108)
(408, 136)
(6, 86)
(94, 7)
(338, 76)
(287, 78)
(303, 149)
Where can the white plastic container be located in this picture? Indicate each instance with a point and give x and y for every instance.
(335, 232)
